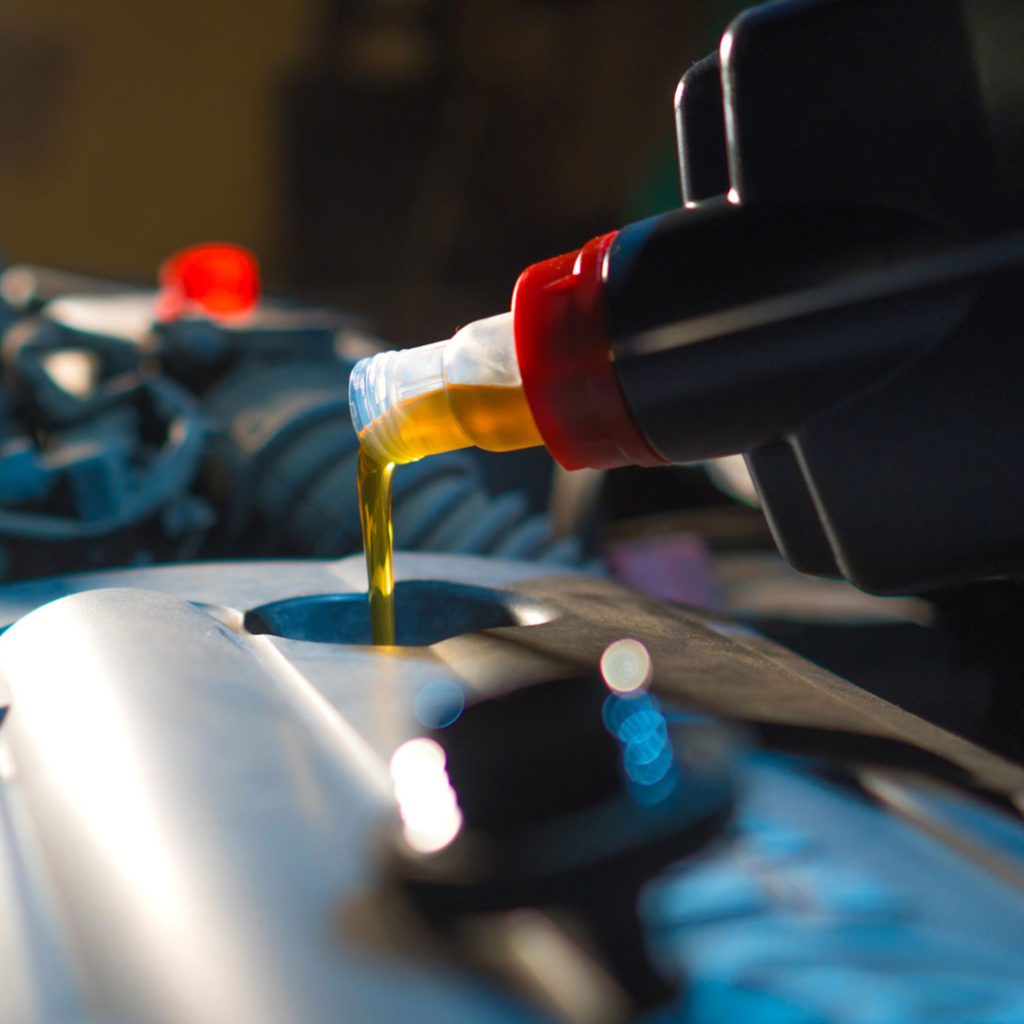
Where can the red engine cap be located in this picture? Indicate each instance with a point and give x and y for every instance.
(214, 279)
(566, 364)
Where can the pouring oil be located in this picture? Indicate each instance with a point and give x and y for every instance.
(497, 418)
(375, 517)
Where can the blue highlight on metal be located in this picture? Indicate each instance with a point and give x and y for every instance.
(648, 762)
(823, 908)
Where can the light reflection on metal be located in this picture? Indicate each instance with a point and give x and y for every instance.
(430, 812)
(626, 666)
(528, 614)
(74, 371)
(439, 703)
(106, 778)
(560, 970)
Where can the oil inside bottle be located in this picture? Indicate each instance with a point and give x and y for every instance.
(460, 415)
(491, 417)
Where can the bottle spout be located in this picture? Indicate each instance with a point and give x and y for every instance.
(381, 389)
(452, 394)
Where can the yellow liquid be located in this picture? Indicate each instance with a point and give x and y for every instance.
(375, 516)
(495, 418)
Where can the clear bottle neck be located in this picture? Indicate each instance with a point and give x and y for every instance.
(388, 392)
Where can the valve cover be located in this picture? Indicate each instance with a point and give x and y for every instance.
(194, 794)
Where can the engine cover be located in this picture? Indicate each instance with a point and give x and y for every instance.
(194, 794)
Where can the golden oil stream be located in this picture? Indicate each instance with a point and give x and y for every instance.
(375, 517)
(495, 418)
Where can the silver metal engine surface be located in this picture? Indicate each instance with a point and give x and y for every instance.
(186, 809)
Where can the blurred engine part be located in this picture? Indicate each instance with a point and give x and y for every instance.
(97, 460)
(198, 823)
(572, 794)
(126, 440)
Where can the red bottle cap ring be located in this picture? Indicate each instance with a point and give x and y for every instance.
(567, 366)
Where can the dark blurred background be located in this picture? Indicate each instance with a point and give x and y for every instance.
(404, 158)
